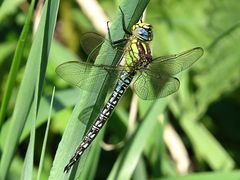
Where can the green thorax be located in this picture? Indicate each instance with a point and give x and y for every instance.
(137, 54)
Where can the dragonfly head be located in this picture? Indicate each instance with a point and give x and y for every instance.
(142, 31)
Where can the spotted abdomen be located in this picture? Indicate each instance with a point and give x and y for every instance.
(122, 84)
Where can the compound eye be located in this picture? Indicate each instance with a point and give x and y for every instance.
(143, 33)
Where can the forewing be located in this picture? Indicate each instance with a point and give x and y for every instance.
(174, 64)
(85, 75)
(91, 44)
(150, 86)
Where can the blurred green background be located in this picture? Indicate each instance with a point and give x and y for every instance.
(192, 134)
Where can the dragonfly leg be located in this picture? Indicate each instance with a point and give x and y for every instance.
(116, 43)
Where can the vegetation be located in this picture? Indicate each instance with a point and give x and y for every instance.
(192, 134)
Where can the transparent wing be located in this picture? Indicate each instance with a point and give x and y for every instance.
(174, 64)
(85, 75)
(150, 86)
(91, 44)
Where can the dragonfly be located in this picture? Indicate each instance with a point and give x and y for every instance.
(152, 78)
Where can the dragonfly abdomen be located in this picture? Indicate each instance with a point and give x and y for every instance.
(122, 84)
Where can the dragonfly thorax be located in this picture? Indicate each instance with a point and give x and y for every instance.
(137, 54)
(142, 31)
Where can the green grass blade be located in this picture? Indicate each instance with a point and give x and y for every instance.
(27, 173)
(229, 175)
(28, 162)
(201, 138)
(45, 138)
(16, 62)
(65, 99)
(87, 109)
(130, 155)
(38, 55)
(140, 172)
(218, 158)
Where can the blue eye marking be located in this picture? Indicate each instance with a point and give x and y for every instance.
(143, 33)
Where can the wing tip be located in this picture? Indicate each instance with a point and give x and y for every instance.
(200, 49)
